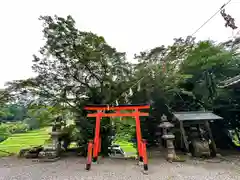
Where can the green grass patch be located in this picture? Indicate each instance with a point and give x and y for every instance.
(126, 146)
(24, 140)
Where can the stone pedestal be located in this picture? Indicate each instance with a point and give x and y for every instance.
(171, 155)
(55, 141)
(52, 151)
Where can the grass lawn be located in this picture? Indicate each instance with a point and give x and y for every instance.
(24, 140)
(127, 146)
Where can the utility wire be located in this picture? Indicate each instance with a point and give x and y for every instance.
(207, 21)
(196, 31)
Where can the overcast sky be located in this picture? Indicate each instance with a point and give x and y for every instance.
(128, 25)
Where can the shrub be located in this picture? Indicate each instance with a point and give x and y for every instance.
(4, 133)
(13, 128)
(71, 134)
(6, 129)
(18, 127)
(32, 123)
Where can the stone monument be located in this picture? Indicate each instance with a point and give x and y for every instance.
(168, 137)
(53, 150)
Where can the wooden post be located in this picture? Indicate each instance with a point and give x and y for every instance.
(213, 145)
(89, 157)
(139, 136)
(145, 158)
(184, 136)
(100, 144)
(96, 138)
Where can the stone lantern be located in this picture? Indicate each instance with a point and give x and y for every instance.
(168, 138)
(53, 151)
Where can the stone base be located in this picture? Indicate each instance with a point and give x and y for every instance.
(30, 152)
(172, 157)
(48, 154)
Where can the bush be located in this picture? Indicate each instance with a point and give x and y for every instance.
(13, 128)
(18, 128)
(4, 133)
(32, 123)
(6, 129)
(71, 134)
(125, 130)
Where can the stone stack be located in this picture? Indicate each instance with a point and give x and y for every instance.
(168, 138)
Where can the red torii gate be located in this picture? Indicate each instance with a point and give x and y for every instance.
(101, 113)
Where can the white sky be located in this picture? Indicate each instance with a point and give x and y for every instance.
(128, 25)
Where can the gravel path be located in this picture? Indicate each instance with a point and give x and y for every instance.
(73, 168)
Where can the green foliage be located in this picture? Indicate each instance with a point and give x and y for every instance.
(189, 81)
(5, 97)
(12, 112)
(13, 128)
(44, 115)
(32, 123)
(7, 129)
(4, 133)
(125, 128)
(76, 68)
(71, 134)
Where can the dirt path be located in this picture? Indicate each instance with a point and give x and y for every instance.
(73, 168)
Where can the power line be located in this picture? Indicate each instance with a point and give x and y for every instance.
(223, 6)
(207, 21)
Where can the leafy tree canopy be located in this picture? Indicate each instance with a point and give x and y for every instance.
(75, 68)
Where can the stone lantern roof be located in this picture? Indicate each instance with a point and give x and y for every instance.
(166, 125)
(168, 136)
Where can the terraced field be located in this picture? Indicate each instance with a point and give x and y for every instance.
(23, 140)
